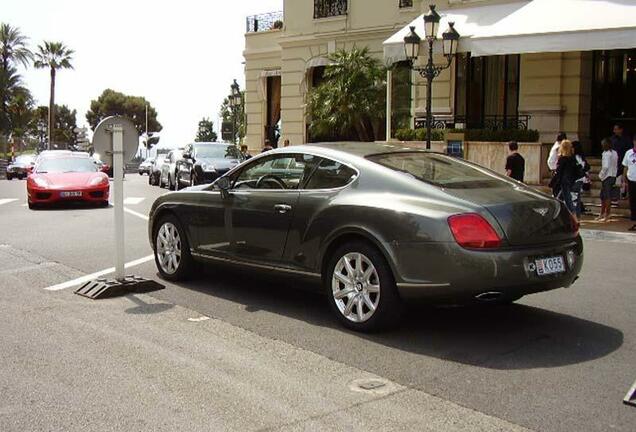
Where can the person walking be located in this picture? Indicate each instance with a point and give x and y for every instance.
(583, 168)
(553, 157)
(566, 175)
(607, 175)
(515, 163)
(629, 176)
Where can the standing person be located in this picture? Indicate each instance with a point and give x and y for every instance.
(286, 143)
(246, 154)
(553, 156)
(629, 176)
(621, 144)
(607, 175)
(584, 168)
(515, 163)
(566, 175)
(267, 146)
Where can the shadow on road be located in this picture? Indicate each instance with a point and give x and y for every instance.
(494, 337)
(144, 308)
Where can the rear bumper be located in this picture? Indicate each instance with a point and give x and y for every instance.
(50, 196)
(447, 273)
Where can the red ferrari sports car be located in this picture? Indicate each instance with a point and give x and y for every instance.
(67, 178)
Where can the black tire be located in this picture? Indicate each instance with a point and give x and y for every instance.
(104, 203)
(9, 177)
(389, 308)
(32, 206)
(186, 264)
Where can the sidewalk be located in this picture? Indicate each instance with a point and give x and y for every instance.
(615, 224)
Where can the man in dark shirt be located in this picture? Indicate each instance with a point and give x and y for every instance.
(515, 164)
(620, 143)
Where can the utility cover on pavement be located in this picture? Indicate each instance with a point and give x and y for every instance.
(108, 288)
(630, 397)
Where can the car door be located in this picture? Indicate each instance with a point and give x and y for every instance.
(263, 200)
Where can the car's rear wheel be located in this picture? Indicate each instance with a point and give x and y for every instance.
(361, 288)
(9, 177)
(172, 251)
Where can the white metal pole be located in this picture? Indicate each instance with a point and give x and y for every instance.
(389, 103)
(118, 181)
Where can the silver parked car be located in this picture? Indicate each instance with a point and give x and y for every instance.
(168, 176)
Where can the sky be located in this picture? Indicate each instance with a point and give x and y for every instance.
(181, 56)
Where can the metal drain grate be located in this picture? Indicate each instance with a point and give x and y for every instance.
(108, 288)
(630, 397)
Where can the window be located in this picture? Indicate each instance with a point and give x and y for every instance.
(329, 8)
(276, 172)
(330, 175)
(406, 3)
(487, 91)
(439, 170)
(217, 151)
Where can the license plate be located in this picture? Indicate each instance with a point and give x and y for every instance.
(548, 266)
(70, 194)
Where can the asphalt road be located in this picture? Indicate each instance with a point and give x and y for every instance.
(557, 361)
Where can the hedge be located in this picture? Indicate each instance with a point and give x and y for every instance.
(486, 135)
(418, 134)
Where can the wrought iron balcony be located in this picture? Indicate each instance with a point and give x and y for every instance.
(491, 122)
(330, 8)
(406, 4)
(264, 22)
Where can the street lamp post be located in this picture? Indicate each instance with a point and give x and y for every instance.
(235, 106)
(430, 70)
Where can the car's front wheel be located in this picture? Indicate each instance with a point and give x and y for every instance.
(361, 288)
(172, 251)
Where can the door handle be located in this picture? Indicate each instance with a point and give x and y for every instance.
(282, 208)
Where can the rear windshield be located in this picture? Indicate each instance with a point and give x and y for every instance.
(63, 165)
(218, 152)
(439, 170)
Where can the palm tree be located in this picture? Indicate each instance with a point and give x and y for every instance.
(53, 55)
(13, 51)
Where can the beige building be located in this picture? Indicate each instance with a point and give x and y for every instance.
(549, 65)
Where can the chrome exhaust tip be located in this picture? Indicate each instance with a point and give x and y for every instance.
(489, 296)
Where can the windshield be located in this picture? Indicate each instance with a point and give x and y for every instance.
(218, 152)
(439, 170)
(64, 165)
(24, 159)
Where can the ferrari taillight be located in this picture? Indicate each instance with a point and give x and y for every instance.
(473, 231)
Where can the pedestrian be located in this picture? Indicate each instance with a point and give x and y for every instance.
(629, 177)
(515, 163)
(621, 144)
(567, 173)
(580, 182)
(286, 143)
(607, 175)
(267, 147)
(245, 152)
(553, 156)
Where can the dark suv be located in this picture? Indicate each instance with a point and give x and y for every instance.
(205, 162)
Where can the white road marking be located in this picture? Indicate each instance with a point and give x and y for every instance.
(7, 200)
(203, 318)
(134, 213)
(133, 200)
(90, 277)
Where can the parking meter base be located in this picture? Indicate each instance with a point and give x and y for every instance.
(108, 288)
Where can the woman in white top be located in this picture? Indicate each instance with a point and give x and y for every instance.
(607, 175)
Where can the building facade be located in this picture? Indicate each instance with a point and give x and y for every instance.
(582, 92)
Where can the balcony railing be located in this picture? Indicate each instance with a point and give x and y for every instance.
(487, 122)
(406, 4)
(329, 8)
(264, 22)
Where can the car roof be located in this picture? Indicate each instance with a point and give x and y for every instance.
(197, 144)
(365, 149)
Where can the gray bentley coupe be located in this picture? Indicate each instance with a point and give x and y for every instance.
(377, 224)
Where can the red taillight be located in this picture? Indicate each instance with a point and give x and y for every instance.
(473, 231)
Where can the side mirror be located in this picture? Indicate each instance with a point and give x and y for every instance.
(224, 185)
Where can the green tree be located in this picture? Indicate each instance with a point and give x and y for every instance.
(206, 133)
(111, 103)
(350, 102)
(54, 56)
(13, 52)
(20, 110)
(65, 124)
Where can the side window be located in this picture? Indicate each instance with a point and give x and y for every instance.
(330, 175)
(276, 172)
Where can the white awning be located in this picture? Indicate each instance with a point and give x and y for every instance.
(532, 27)
(317, 62)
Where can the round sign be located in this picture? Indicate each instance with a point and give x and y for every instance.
(103, 139)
